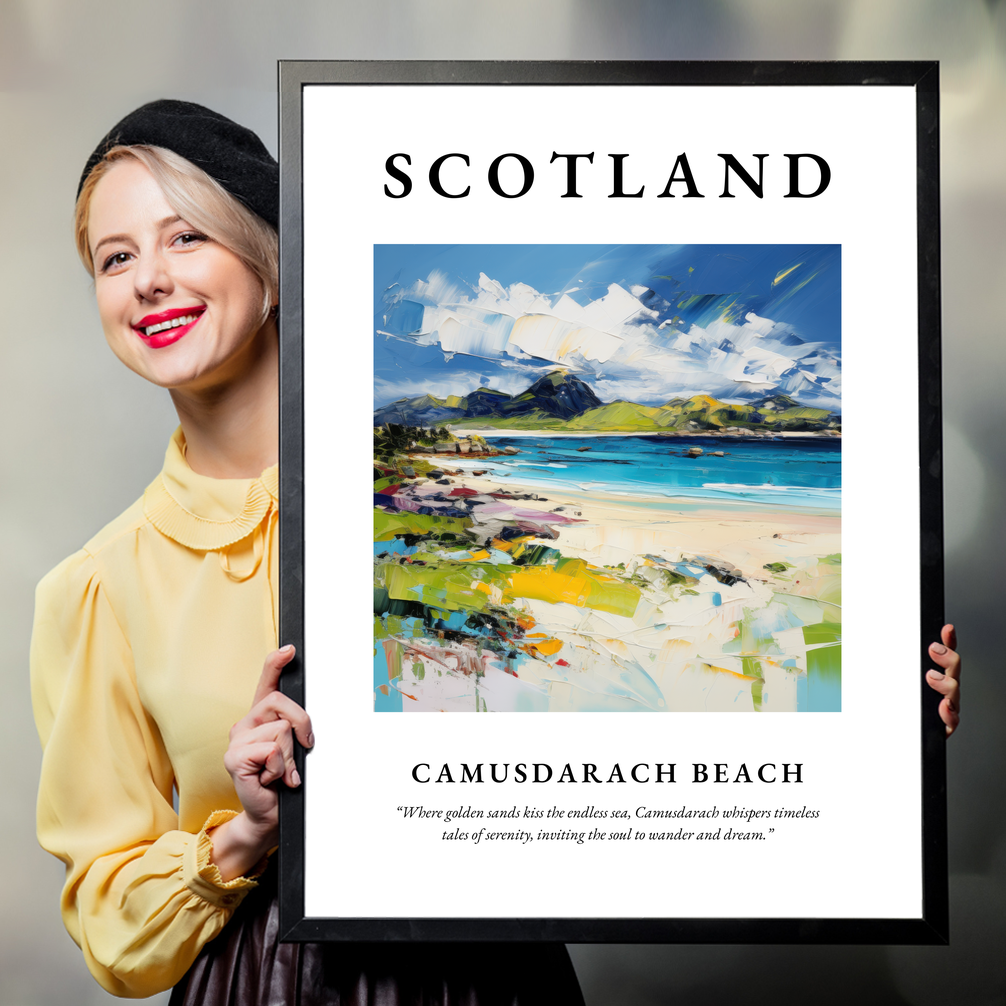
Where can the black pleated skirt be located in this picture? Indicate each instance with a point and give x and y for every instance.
(246, 965)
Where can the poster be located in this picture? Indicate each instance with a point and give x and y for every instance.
(640, 348)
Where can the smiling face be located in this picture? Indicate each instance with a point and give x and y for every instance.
(177, 307)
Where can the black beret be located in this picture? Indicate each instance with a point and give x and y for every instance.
(230, 154)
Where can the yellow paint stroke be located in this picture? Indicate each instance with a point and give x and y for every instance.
(491, 590)
(785, 273)
(796, 288)
(542, 644)
(673, 648)
(515, 546)
(572, 581)
(726, 670)
(616, 646)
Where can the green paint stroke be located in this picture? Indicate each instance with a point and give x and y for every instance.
(751, 667)
(824, 667)
(388, 525)
(777, 567)
(444, 586)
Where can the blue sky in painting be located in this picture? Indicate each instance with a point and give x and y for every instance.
(640, 322)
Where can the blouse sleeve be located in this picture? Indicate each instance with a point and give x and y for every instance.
(141, 898)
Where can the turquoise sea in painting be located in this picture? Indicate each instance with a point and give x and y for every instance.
(786, 472)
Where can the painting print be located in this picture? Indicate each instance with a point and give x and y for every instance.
(607, 478)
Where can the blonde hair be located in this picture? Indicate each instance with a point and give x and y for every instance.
(199, 200)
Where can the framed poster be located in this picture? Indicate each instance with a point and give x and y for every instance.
(650, 356)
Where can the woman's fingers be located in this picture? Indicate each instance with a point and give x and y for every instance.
(949, 710)
(260, 761)
(274, 766)
(949, 636)
(277, 706)
(279, 736)
(944, 684)
(950, 716)
(270, 703)
(271, 670)
(261, 749)
(947, 680)
(949, 660)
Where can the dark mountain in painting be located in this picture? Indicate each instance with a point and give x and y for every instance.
(560, 394)
(486, 402)
(560, 400)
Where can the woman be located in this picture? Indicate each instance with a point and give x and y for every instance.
(148, 643)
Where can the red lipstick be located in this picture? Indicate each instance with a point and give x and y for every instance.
(165, 333)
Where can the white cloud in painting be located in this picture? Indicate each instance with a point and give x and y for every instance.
(621, 345)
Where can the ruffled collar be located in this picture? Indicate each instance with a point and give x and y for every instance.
(203, 513)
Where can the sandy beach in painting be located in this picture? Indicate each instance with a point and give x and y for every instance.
(655, 603)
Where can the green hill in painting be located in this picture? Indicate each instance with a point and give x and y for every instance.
(698, 413)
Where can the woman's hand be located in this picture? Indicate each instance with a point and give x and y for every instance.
(260, 753)
(947, 682)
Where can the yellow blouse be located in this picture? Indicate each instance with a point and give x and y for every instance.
(147, 647)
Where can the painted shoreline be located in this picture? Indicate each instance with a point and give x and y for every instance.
(755, 472)
(599, 506)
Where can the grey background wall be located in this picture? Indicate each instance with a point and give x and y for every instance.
(81, 436)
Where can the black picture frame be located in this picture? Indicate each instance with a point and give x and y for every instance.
(932, 926)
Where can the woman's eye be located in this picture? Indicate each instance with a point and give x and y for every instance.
(114, 261)
(189, 238)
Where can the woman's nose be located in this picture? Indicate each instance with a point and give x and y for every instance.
(152, 277)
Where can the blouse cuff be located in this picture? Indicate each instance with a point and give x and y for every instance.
(202, 876)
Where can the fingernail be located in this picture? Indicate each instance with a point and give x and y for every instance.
(310, 740)
(295, 777)
(951, 706)
(938, 648)
(936, 675)
(286, 649)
